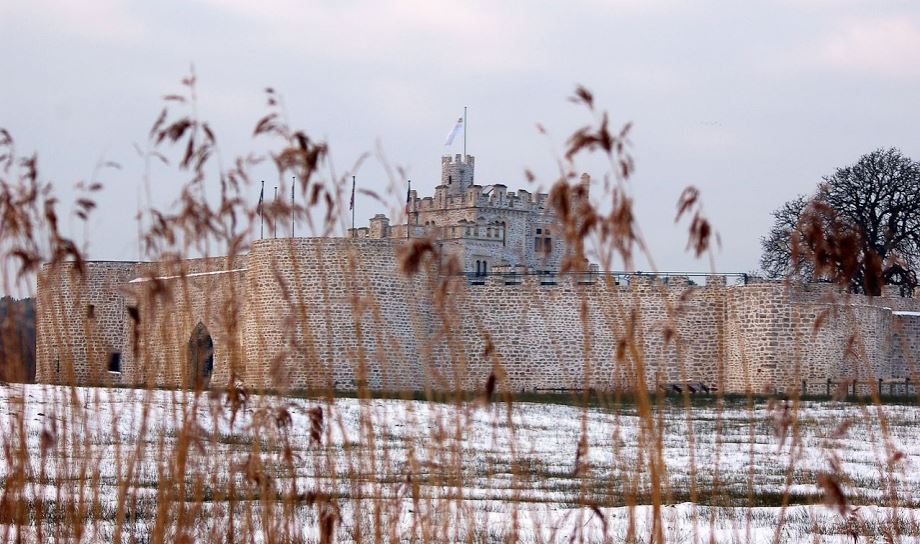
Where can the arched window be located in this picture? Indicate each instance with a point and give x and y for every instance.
(199, 357)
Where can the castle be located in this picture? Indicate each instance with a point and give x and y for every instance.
(336, 312)
(486, 228)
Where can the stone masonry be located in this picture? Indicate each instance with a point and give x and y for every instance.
(308, 313)
(486, 227)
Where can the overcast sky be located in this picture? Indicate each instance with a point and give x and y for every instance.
(751, 102)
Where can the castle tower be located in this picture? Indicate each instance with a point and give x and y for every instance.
(457, 173)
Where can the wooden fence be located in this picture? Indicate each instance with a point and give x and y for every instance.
(882, 386)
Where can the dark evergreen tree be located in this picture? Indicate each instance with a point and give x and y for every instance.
(17, 340)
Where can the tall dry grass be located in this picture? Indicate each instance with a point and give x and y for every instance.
(238, 464)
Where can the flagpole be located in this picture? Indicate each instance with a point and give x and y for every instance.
(293, 181)
(261, 205)
(275, 223)
(408, 196)
(464, 133)
(352, 207)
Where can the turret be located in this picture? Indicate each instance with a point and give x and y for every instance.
(497, 194)
(524, 196)
(380, 226)
(457, 173)
(473, 192)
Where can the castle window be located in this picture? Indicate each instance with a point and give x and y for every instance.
(469, 231)
(115, 362)
(90, 311)
(538, 243)
(547, 244)
(199, 356)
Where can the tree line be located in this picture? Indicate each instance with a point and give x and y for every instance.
(17, 340)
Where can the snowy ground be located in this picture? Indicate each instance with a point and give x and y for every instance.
(410, 470)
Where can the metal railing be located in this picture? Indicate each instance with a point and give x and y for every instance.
(618, 277)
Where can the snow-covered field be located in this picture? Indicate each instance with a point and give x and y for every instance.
(164, 464)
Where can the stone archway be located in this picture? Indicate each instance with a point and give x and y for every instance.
(199, 357)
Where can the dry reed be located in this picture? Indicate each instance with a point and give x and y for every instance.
(271, 467)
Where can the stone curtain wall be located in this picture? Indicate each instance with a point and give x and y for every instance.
(315, 313)
(905, 357)
(80, 344)
(337, 306)
(80, 321)
(335, 312)
(781, 335)
(762, 337)
(541, 332)
(211, 291)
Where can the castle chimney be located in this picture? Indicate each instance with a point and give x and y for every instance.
(379, 226)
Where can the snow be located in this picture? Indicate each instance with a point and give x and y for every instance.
(190, 275)
(485, 468)
(910, 314)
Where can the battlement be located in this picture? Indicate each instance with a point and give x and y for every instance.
(458, 159)
(477, 196)
(457, 172)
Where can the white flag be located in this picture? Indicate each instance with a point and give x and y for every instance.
(453, 132)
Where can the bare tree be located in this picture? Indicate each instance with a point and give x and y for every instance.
(861, 228)
(776, 259)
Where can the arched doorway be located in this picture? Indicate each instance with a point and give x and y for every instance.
(200, 357)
